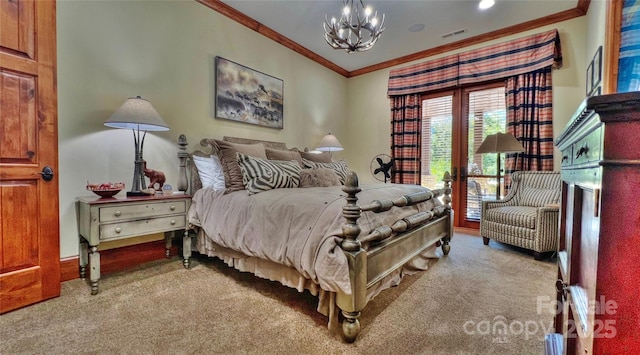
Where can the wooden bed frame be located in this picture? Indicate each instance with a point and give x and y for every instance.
(389, 247)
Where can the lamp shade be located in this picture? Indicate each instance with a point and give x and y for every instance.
(329, 143)
(500, 143)
(137, 113)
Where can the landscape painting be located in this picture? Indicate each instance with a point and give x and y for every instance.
(249, 96)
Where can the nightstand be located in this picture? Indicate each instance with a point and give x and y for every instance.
(107, 219)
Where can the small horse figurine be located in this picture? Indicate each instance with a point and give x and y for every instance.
(155, 177)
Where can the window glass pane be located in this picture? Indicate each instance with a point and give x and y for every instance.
(436, 140)
(487, 115)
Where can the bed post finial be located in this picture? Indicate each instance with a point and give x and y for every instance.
(351, 212)
(183, 183)
(447, 189)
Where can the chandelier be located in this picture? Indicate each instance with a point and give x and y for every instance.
(356, 30)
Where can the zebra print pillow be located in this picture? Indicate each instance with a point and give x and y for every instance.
(339, 167)
(260, 175)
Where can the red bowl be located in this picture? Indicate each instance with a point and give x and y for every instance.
(106, 189)
(106, 193)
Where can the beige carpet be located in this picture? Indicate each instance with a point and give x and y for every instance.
(456, 307)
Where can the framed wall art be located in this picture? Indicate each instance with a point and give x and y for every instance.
(594, 74)
(249, 96)
(589, 79)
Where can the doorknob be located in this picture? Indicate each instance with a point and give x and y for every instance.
(454, 176)
(463, 173)
(47, 173)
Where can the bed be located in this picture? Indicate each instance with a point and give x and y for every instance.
(342, 242)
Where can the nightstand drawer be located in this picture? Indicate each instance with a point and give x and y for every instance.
(145, 226)
(141, 210)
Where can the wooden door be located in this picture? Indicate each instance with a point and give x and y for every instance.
(29, 226)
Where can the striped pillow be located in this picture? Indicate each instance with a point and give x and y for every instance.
(339, 167)
(260, 175)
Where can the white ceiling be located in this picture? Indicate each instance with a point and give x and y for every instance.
(302, 20)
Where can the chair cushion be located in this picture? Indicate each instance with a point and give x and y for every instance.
(520, 216)
(534, 197)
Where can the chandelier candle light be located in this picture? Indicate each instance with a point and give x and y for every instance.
(356, 30)
(137, 114)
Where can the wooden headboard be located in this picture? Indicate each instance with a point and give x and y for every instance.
(268, 144)
(188, 178)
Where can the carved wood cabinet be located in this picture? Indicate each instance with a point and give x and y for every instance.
(599, 248)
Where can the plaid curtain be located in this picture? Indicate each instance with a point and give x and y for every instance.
(529, 119)
(406, 132)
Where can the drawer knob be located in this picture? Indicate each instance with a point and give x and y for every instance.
(172, 207)
(118, 213)
(118, 229)
(173, 221)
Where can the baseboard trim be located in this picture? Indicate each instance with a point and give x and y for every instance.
(117, 259)
(69, 268)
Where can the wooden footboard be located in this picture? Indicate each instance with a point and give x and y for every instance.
(390, 247)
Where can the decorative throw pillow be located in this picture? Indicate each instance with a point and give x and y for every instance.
(275, 154)
(320, 177)
(227, 153)
(210, 171)
(319, 158)
(262, 175)
(339, 167)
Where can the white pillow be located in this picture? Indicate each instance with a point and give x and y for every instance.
(210, 171)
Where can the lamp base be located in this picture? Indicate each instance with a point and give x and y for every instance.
(137, 193)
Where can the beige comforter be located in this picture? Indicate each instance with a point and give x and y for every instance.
(300, 228)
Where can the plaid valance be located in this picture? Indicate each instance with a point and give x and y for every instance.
(496, 61)
(434, 74)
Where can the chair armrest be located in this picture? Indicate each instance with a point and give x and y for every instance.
(547, 228)
(495, 204)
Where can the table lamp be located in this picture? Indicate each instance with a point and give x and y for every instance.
(139, 116)
(329, 143)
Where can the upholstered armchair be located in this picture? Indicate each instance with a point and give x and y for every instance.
(528, 216)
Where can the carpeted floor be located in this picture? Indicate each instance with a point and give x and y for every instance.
(477, 300)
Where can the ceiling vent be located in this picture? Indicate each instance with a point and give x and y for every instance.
(454, 33)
